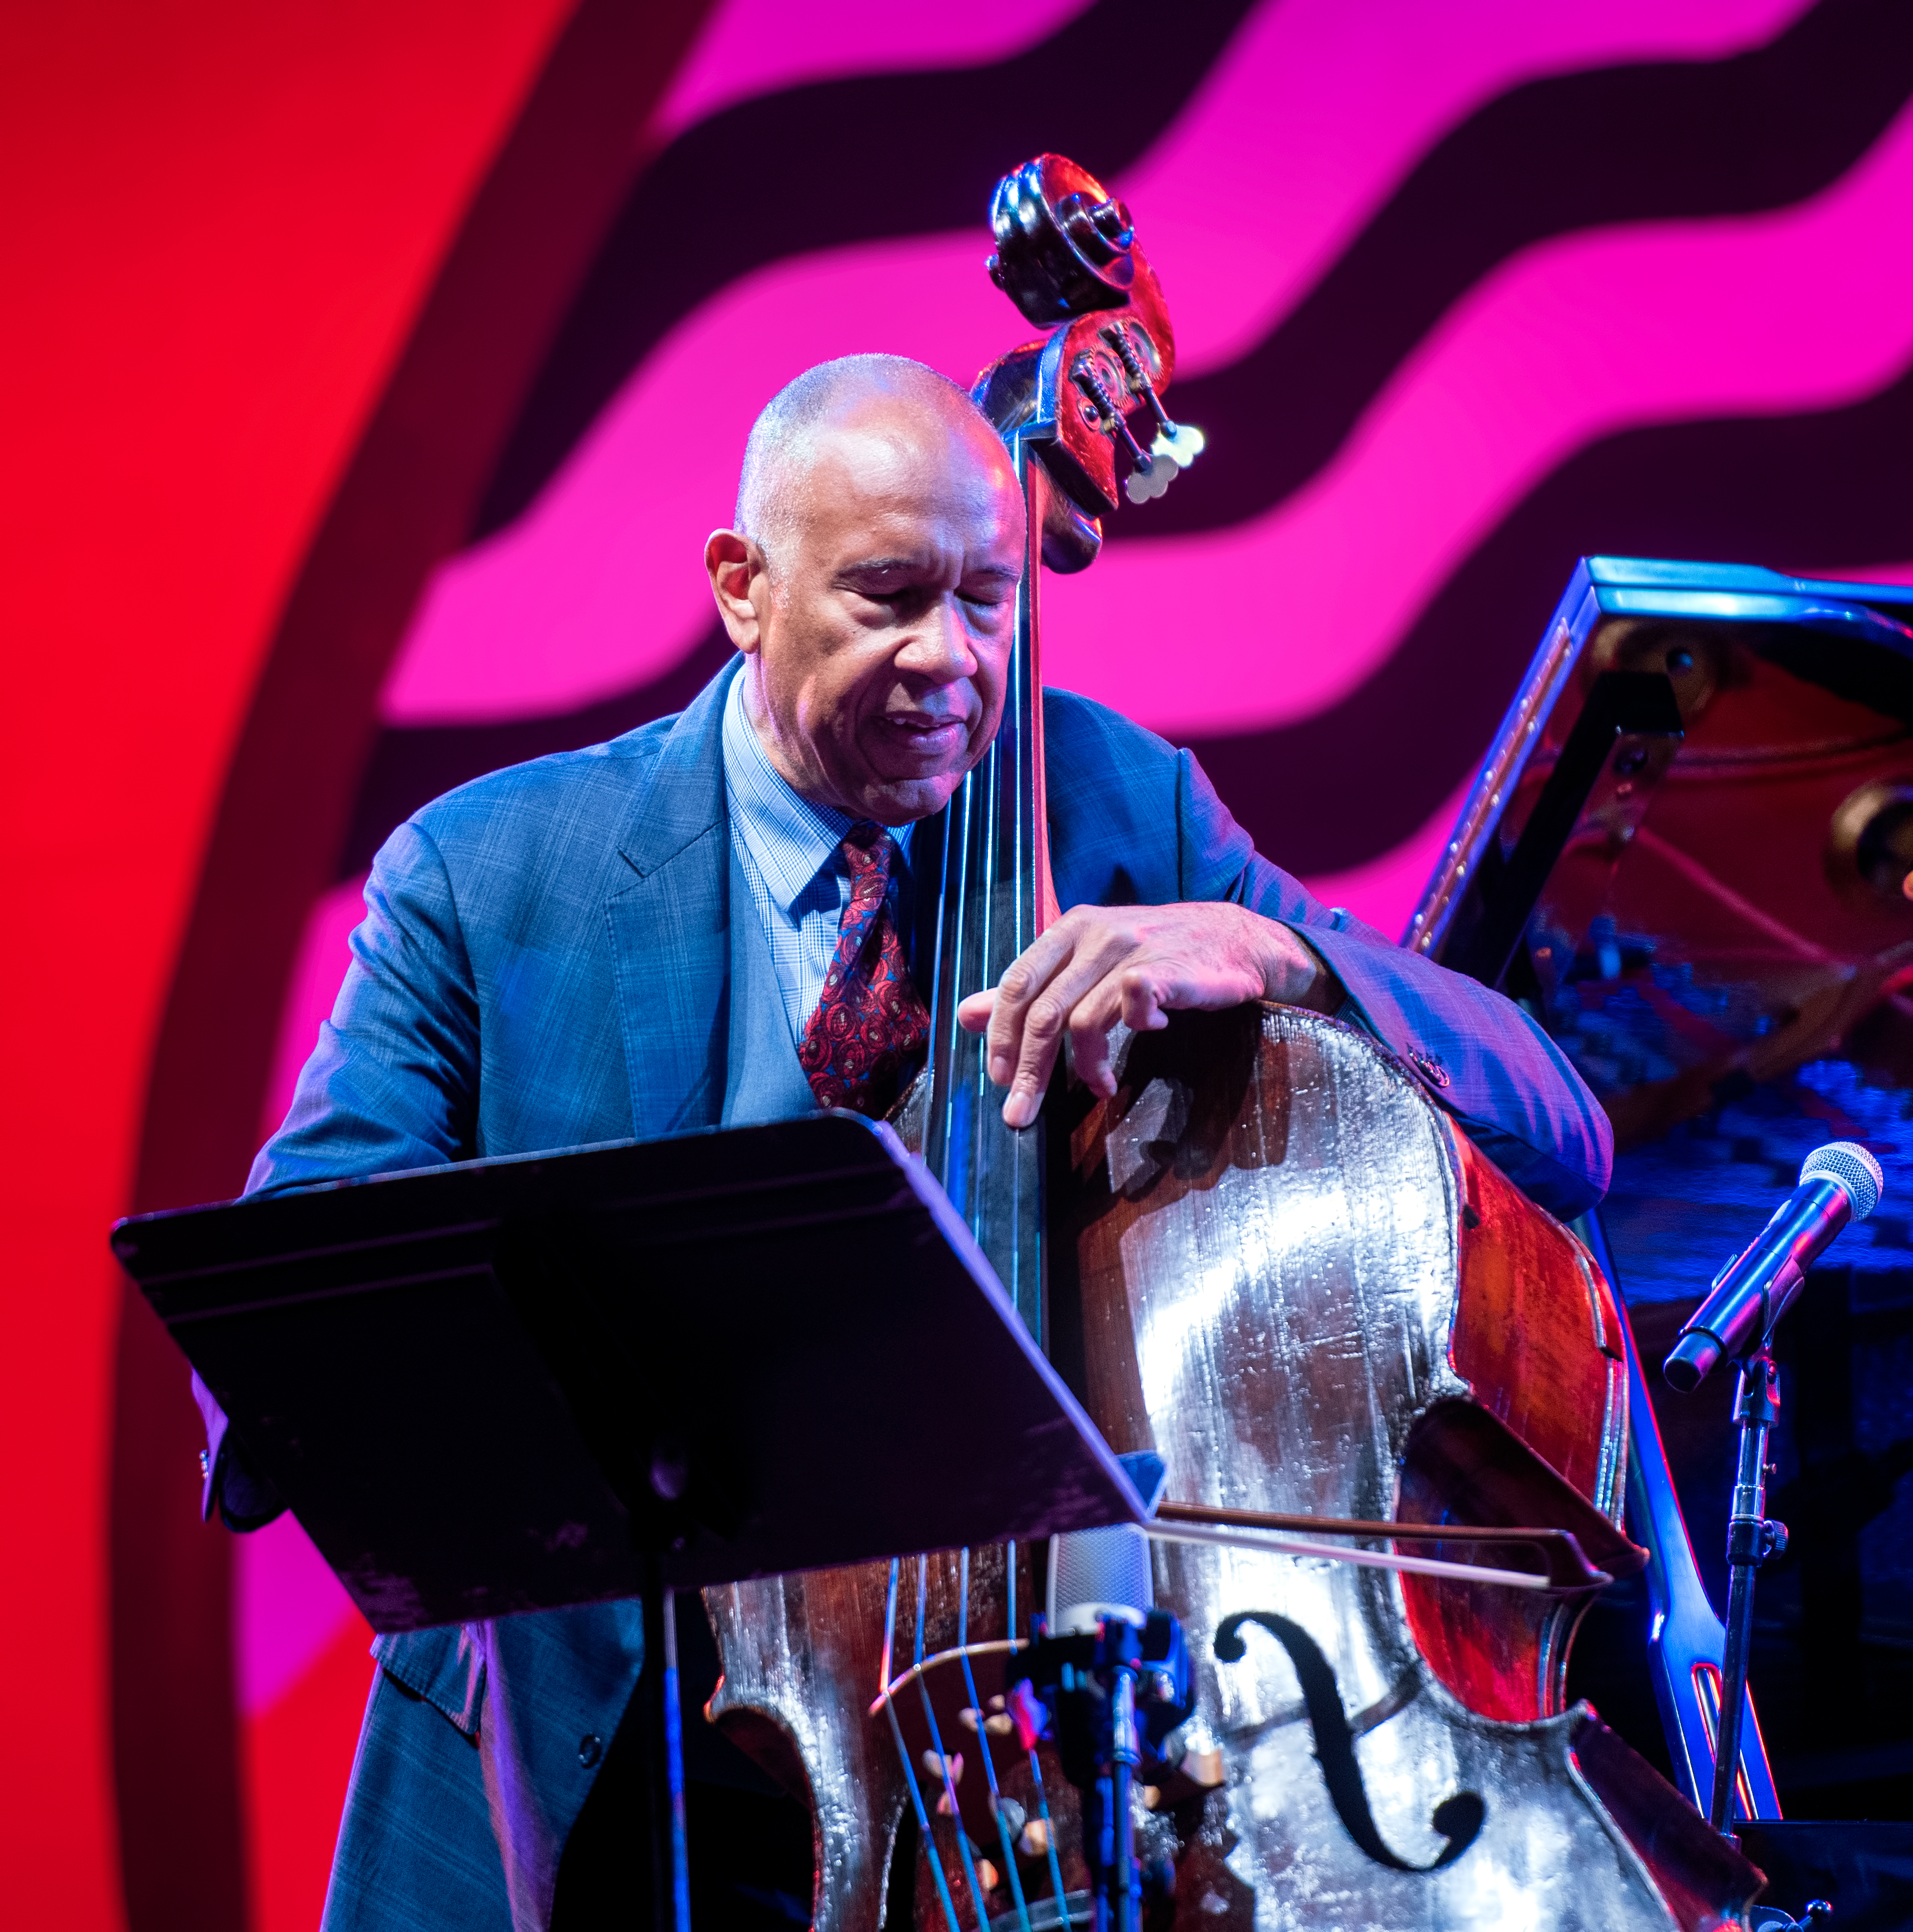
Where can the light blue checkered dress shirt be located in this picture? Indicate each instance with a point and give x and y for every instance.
(790, 854)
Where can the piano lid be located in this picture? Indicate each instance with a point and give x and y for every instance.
(1690, 847)
(1689, 852)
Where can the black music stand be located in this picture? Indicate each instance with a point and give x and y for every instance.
(516, 1384)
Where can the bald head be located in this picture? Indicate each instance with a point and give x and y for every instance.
(875, 400)
(871, 583)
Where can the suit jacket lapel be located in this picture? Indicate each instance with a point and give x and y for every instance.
(670, 927)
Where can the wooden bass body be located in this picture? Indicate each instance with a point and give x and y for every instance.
(1276, 1264)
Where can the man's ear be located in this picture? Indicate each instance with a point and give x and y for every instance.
(734, 564)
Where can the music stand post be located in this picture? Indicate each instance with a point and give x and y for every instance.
(623, 1371)
(670, 1862)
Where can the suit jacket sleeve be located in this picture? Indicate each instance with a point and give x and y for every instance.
(393, 1081)
(1115, 788)
(391, 1084)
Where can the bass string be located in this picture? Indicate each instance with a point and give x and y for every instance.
(982, 1738)
(963, 1837)
(903, 1756)
(1035, 1768)
(921, 1663)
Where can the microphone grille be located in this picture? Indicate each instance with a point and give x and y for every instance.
(1853, 1168)
(1095, 1572)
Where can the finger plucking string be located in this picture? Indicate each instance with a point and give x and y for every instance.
(1090, 1024)
(1049, 1014)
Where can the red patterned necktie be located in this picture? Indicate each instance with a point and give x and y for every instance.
(869, 1023)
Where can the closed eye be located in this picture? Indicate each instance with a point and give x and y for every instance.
(991, 593)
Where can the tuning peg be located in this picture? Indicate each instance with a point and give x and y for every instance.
(1083, 374)
(1181, 445)
(1178, 441)
(1144, 486)
(1170, 455)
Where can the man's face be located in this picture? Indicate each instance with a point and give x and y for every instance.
(880, 644)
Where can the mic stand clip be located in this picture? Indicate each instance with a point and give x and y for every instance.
(1109, 1695)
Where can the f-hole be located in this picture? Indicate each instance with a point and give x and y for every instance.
(1458, 1819)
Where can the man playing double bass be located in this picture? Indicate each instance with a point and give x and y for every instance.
(707, 920)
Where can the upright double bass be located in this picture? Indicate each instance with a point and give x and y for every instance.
(1271, 1260)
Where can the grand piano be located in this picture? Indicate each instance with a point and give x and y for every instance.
(1689, 853)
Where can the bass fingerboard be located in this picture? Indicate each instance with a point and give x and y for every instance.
(995, 886)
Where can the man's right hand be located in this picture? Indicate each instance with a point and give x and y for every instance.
(1098, 965)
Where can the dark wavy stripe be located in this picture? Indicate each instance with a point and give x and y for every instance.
(1655, 141)
(1673, 139)
(1824, 490)
(411, 765)
(1755, 131)
(842, 161)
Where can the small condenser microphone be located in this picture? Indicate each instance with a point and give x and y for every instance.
(1095, 1574)
(1839, 1183)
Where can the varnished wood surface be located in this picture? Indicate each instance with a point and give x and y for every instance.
(1537, 1341)
(1299, 1278)
(1287, 1261)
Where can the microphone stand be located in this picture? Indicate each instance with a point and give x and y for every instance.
(1109, 1697)
(1751, 1540)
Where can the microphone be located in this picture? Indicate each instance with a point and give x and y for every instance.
(1839, 1183)
(1095, 1574)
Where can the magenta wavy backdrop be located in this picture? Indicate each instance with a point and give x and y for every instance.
(1461, 292)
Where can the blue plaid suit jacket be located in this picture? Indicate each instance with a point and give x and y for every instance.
(544, 963)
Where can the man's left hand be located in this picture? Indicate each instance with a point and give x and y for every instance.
(1098, 965)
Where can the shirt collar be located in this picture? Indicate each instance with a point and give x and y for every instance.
(791, 839)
